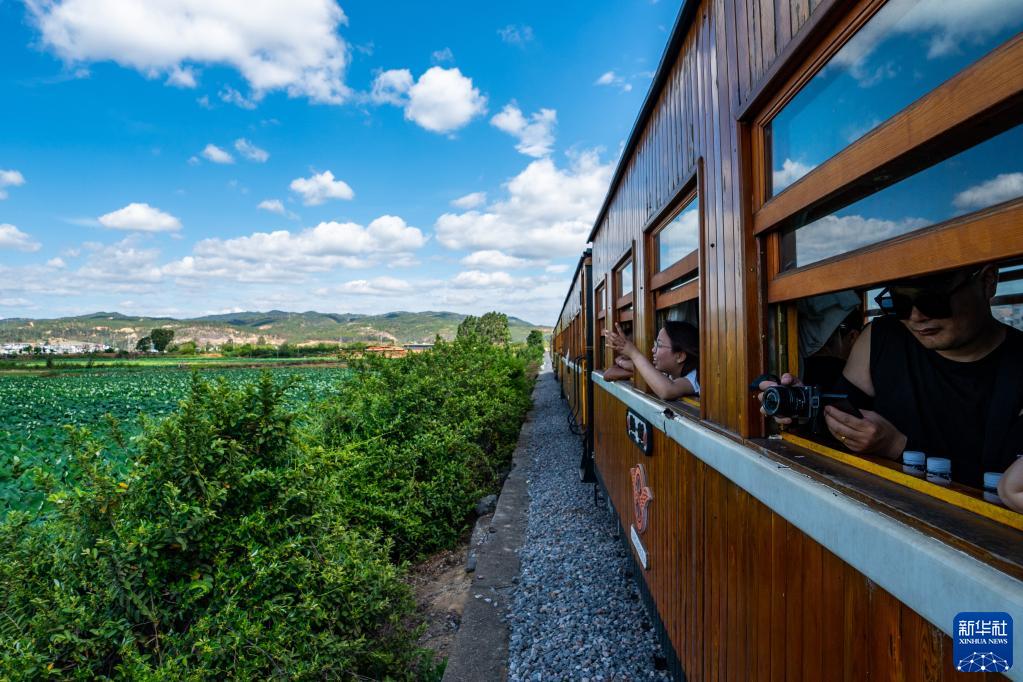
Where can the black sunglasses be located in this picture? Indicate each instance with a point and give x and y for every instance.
(933, 303)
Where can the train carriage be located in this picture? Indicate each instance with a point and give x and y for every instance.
(788, 152)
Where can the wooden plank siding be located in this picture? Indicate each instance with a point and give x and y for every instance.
(568, 340)
(743, 594)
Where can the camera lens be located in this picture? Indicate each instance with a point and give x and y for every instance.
(774, 401)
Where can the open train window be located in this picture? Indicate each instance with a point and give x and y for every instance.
(673, 246)
(868, 174)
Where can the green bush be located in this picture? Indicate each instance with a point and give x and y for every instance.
(246, 542)
(424, 437)
(222, 552)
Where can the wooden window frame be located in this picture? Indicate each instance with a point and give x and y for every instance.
(977, 103)
(624, 300)
(688, 265)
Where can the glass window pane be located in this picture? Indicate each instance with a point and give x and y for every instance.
(680, 238)
(906, 50)
(625, 283)
(982, 176)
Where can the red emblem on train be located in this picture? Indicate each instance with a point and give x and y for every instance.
(641, 496)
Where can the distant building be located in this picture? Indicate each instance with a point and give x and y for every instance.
(417, 347)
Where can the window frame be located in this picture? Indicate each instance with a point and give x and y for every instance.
(600, 322)
(623, 301)
(976, 104)
(689, 265)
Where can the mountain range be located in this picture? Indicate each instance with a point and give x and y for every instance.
(273, 327)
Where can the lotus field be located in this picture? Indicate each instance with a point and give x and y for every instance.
(35, 408)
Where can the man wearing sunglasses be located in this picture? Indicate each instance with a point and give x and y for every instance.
(937, 373)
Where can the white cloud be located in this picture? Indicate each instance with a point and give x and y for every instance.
(493, 259)
(232, 96)
(13, 238)
(56, 263)
(610, 78)
(194, 161)
(378, 286)
(216, 154)
(390, 87)
(320, 187)
(140, 218)
(291, 46)
(560, 267)
(535, 136)
(10, 178)
(441, 56)
(442, 100)
(182, 77)
(272, 205)
(516, 35)
(251, 151)
(789, 172)
(474, 200)
(549, 211)
(474, 279)
(832, 235)
(1000, 188)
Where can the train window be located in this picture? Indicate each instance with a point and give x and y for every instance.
(600, 315)
(906, 49)
(623, 294)
(674, 248)
(975, 179)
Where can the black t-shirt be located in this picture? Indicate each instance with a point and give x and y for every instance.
(942, 406)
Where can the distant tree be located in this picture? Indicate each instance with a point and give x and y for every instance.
(161, 338)
(187, 348)
(144, 344)
(493, 327)
(535, 340)
(468, 326)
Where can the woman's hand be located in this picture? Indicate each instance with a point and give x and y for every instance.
(619, 342)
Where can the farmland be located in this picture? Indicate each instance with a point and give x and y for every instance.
(36, 407)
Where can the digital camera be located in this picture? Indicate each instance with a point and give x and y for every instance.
(804, 404)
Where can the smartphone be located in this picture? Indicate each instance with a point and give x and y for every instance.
(843, 405)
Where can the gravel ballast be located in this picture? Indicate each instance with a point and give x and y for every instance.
(576, 613)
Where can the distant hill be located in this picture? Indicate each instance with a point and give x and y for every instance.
(273, 327)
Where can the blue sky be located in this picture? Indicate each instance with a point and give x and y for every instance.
(192, 157)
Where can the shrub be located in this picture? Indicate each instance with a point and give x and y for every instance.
(222, 553)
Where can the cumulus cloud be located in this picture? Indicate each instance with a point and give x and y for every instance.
(320, 187)
(13, 238)
(232, 96)
(474, 279)
(789, 172)
(217, 155)
(548, 212)
(56, 263)
(1000, 188)
(535, 135)
(272, 205)
(833, 235)
(294, 46)
(138, 217)
(516, 35)
(442, 100)
(283, 255)
(378, 286)
(10, 178)
(473, 200)
(492, 259)
(251, 151)
(610, 78)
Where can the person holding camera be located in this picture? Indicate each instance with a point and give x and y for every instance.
(672, 372)
(935, 373)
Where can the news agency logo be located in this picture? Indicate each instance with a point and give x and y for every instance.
(982, 642)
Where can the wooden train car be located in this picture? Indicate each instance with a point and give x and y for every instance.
(793, 155)
(572, 356)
